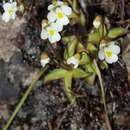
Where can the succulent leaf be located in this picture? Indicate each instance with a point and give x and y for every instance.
(116, 32)
(55, 74)
(79, 73)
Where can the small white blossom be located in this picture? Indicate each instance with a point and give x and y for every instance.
(51, 31)
(97, 22)
(59, 13)
(74, 61)
(9, 11)
(109, 52)
(44, 59)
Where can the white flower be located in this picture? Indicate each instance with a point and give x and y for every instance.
(44, 59)
(51, 31)
(74, 61)
(97, 22)
(9, 11)
(59, 13)
(109, 52)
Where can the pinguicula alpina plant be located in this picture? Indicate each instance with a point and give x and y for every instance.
(84, 55)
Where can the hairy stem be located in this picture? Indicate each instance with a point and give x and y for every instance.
(103, 96)
(21, 102)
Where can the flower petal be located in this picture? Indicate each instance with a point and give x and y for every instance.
(55, 38)
(74, 61)
(111, 43)
(50, 7)
(114, 48)
(51, 16)
(111, 60)
(59, 3)
(108, 60)
(7, 6)
(6, 17)
(115, 58)
(43, 25)
(13, 16)
(63, 21)
(102, 45)
(96, 24)
(66, 10)
(14, 6)
(44, 34)
(101, 55)
(57, 27)
(44, 62)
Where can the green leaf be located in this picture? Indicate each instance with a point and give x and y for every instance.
(54, 75)
(66, 54)
(68, 39)
(82, 19)
(102, 31)
(80, 48)
(92, 48)
(85, 59)
(116, 32)
(91, 69)
(68, 87)
(91, 79)
(72, 47)
(103, 64)
(20, 7)
(94, 37)
(72, 42)
(79, 73)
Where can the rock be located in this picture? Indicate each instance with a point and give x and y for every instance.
(7, 91)
(7, 32)
(19, 72)
(14, 75)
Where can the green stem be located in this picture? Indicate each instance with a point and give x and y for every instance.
(68, 87)
(21, 102)
(103, 96)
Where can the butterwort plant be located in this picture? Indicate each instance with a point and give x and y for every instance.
(84, 56)
(79, 56)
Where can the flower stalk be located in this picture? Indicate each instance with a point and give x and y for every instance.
(21, 102)
(108, 124)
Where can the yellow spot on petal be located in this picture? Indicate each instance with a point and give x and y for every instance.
(109, 54)
(51, 32)
(10, 11)
(60, 15)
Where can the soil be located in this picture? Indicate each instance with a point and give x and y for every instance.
(47, 107)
